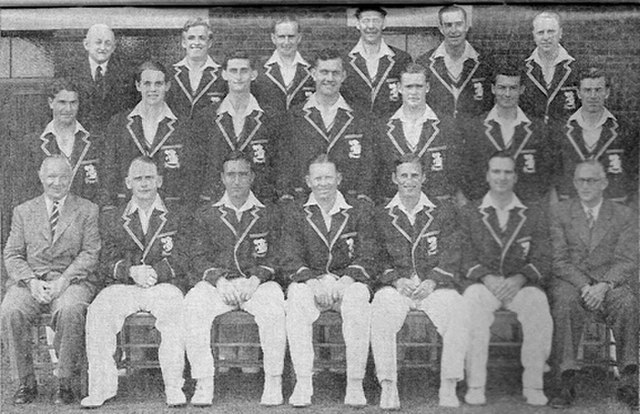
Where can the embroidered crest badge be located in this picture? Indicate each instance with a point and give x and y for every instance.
(478, 91)
(260, 247)
(355, 149)
(529, 164)
(167, 245)
(394, 92)
(90, 174)
(526, 245)
(433, 245)
(171, 159)
(569, 100)
(350, 246)
(615, 164)
(437, 163)
(259, 154)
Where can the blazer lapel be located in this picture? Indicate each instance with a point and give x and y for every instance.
(521, 135)
(132, 226)
(429, 132)
(49, 146)
(560, 76)
(209, 76)
(608, 135)
(80, 149)
(252, 124)
(490, 220)
(534, 73)
(516, 220)
(300, 78)
(67, 216)
(156, 223)
(493, 133)
(41, 218)
(316, 221)
(574, 135)
(340, 124)
(385, 64)
(338, 223)
(423, 222)
(181, 77)
(579, 222)
(225, 126)
(395, 133)
(359, 66)
(134, 126)
(313, 117)
(165, 129)
(601, 226)
(401, 223)
(272, 71)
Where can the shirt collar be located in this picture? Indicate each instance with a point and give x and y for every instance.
(422, 203)
(385, 50)
(595, 209)
(252, 201)
(93, 65)
(577, 116)
(488, 201)
(427, 114)
(166, 111)
(562, 56)
(340, 203)
(209, 63)
(275, 58)
(158, 204)
(469, 51)
(50, 130)
(226, 106)
(521, 117)
(49, 203)
(312, 102)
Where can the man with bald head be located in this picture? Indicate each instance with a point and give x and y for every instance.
(50, 256)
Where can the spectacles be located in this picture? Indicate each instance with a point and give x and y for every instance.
(588, 181)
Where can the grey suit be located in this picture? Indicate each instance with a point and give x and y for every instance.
(30, 252)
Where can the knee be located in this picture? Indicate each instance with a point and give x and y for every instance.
(169, 292)
(535, 299)
(72, 313)
(474, 295)
(299, 292)
(272, 291)
(356, 297)
(197, 294)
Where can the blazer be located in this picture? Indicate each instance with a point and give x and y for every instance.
(606, 253)
(274, 96)
(72, 252)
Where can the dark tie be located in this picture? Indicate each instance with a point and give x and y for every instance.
(100, 80)
(53, 219)
(590, 218)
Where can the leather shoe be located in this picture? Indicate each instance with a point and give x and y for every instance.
(25, 394)
(564, 399)
(628, 394)
(64, 396)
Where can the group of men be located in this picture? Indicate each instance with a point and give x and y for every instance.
(363, 183)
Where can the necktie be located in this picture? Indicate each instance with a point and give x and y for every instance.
(100, 80)
(53, 219)
(590, 218)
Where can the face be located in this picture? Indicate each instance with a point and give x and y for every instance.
(237, 179)
(143, 181)
(328, 75)
(409, 179)
(454, 28)
(507, 90)
(64, 107)
(55, 176)
(152, 87)
(501, 175)
(593, 93)
(100, 44)
(286, 39)
(547, 34)
(239, 75)
(414, 88)
(323, 180)
(370, 24)
(590, 183)
(196, 42)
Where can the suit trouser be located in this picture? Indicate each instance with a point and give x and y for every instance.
(532, 310)
(446, 308)
(302, 311)
(203, 304)
(19, 310)
(105, 319)
(619, 310)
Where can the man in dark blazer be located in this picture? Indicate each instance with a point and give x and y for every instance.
(506, 258)
(420, 260)
(327, 259)
(373, 67)
(140, 270)
(234, 261)
(50, 256)
(595, 269)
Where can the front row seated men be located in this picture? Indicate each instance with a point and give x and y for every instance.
(420, 257)
(327, 258)
(137, 259)
(50, 256)
(505, 255)
(233, 257)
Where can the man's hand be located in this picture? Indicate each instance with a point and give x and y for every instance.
(228, 291)
(321, 294)
(247, 287)
(493, 283)
(509, 288)
(40, 291)
(340, 286)
(425, 288)
(143, 275)
(405, 286)
(593, 296)
(57, 287)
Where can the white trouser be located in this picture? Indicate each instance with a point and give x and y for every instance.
(105, 318)
(532, 309)
(302, 311)
(203, 304)
(446, 308)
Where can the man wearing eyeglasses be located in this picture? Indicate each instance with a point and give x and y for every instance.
(595, 271)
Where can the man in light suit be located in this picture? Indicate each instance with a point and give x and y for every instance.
(50, 257)
(595, 268)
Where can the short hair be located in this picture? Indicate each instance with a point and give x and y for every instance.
(61, 84)
(198, 21)
(372, 8)
(547, 15)
(593, 73)
(591, 162)
(239, 54)
(413, 68)
(236, 155)
(322, 158)
(144, 159)
(151, 65)
(328, 54)
(506, 67)
(55, 157)
(502, 154)
(449, 9)
(97, 26)
(285, 19)
(409, 158)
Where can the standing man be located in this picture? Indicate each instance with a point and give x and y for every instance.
(139, 240)
(373, 69)
(286, 80)
(328, 251)
(595, 266)
(505, 255)
(196, 77)
(50, 256)
(460, 73)
(234, 260)
(421, 258)
(550, 82)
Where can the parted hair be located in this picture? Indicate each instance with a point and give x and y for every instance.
(151, 65)
(198, 21)
(61, 84)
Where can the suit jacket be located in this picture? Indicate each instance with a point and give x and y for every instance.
(606, 253)
(429, 248)
(379, 95)
(310, 251)
(73, 251)
(274, 96)
(522, 248)
(124, 244)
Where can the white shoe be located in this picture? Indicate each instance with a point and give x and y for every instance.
(302, 392)
(447, 394)
(534, 396)
(389, 399)
(175, 396)
(475, 396)
(354, 396)
(95, 401)
(203, 397)
(272, 391)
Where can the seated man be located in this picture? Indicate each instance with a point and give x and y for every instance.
(233, 258)
(505, 255)
(421, 242)
(327, 258)
(50, 257)
(139, 239)
(595, 266)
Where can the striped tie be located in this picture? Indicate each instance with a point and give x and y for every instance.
(53, 219)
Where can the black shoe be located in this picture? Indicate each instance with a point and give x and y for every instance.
(25, 394)
(564, 399)
(64, 396)
(628, 394)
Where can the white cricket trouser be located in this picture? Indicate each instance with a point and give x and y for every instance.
(302, 311)
(532, 309)
(203, 304)
(448, 311)
(105, 318)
